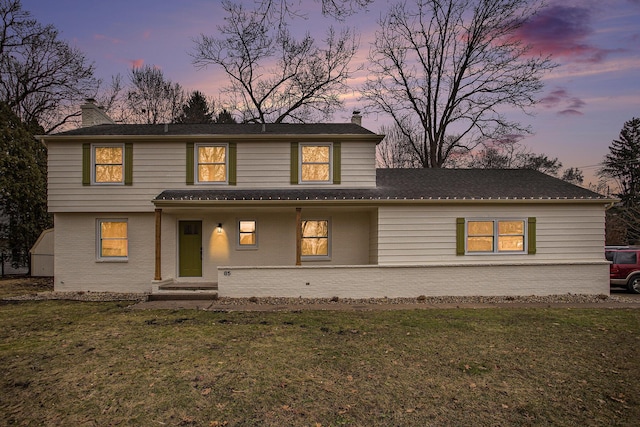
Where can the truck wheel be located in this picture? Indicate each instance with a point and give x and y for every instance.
(634, 285)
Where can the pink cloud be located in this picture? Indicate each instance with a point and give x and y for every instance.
(111, 40)
(561, 98)
(562, 31)
(570, 112)
(146, 35)
(136, 63)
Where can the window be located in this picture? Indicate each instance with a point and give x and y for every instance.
(247, 234)
(483, 236)
(315, 238)
(113, 243)
(107, 164)
(315, 163)
(211, 163)
(495, 236)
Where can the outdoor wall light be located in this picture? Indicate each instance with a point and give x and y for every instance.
(219, 229)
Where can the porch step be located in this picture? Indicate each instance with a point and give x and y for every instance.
(194, 296)
(181, 291)
(194, 286)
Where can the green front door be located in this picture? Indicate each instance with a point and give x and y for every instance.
(190, 248)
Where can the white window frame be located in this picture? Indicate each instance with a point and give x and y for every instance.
(318, 257)
(94, 165)
(300, 161)
(196, 164)
(240, 246)
(99, 256)
(495, 250)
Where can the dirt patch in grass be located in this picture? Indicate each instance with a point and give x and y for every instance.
(20, 285)
(86, 363)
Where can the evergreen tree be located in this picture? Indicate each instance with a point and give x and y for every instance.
(196, 110)
(224, 116)
(623, 163)
(23, 186)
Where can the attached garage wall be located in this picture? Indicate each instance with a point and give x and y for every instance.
(410, 235)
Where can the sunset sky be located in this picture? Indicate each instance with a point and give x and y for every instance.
(585, 102)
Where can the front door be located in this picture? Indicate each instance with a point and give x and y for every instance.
(190, 248)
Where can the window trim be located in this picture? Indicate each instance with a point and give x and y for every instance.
(326, 257)
(99, 239)
(301, 145)
(240, 246)
(196, 163)
(495, 251)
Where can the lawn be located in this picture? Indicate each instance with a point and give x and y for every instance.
(102, 364)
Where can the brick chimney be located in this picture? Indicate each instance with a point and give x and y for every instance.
(356, 118)
(93, 115)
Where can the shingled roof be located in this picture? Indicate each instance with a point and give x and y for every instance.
(220, 129)
(412, 184)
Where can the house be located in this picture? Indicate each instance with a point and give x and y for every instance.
(300, 210)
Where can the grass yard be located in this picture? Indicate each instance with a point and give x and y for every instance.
(70, 363)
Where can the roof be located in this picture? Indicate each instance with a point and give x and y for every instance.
(219, 129)
(411, 185)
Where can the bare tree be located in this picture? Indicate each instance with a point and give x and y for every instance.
(42, 78)
(283, 9)
(446, 68)
(274, 77)
(152, 98)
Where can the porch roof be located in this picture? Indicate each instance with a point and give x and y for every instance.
(408, 185)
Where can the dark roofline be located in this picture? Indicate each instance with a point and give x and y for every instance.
(227, 129)
(407, 186)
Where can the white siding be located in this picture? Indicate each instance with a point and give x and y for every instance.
(159, 166)
(427, 234)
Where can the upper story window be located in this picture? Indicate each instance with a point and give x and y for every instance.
(107, 164)
(496, 236)
(113, 240)
(211, 163)
(315, 163)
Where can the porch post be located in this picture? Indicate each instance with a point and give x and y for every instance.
(158, 273)
(298, 236)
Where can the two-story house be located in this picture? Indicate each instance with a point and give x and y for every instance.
(300, 210)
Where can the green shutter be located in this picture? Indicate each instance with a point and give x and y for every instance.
(531, 236)
(86, 164)
(337, 162)
(460, 236)
(294, 163)
(190, 165)
(128, 163)
(233, 160)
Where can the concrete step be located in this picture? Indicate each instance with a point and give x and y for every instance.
(192, 286)
(191, 296)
